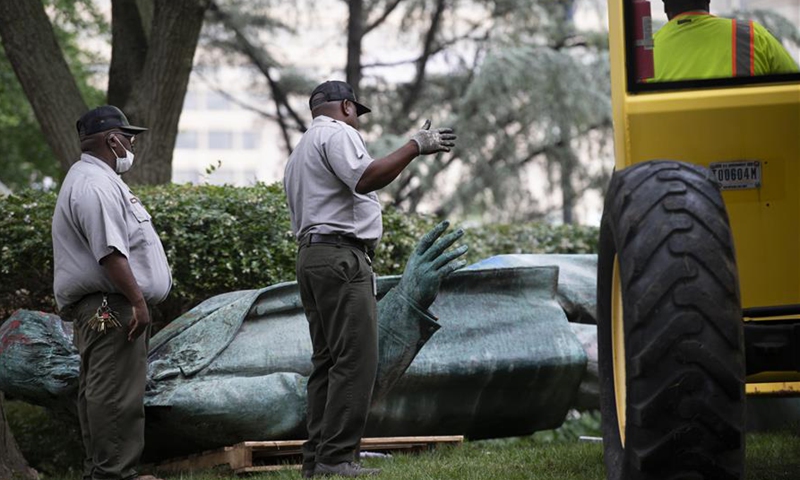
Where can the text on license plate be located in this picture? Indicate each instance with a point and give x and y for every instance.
(737, 175)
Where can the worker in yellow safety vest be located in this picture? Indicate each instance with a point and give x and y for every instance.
(695, 44)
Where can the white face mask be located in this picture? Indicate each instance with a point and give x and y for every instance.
(123, 163)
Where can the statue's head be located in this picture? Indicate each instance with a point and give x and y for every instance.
(38, 363)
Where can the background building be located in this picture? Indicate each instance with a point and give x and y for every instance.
(221, 142)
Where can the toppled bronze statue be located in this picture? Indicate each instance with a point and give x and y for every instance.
(505, 361)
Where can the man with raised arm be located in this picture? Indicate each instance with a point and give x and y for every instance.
(330, 183)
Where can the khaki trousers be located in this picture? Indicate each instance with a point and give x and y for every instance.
(110, 391)
(337, 294)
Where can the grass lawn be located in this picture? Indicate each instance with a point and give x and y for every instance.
(553, 454)
(769, 457)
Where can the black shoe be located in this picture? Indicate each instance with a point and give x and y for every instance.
(309, 472)
(345, 469)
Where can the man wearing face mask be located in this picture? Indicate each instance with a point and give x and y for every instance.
(109, 266)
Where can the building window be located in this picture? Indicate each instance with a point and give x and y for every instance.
(217, 101)
(220, 140)
(193, 100)
(185, 176)
(224, 177)
(187, 139)
(250, 140)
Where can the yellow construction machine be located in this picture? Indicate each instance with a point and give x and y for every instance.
(699, 263)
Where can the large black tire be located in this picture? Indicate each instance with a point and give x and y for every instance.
(674, 304)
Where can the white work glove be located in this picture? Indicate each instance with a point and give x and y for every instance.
(434, 141)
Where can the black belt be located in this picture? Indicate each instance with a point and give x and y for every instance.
(336, 239)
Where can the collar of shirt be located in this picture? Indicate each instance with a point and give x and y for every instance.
(321, 119)
(693, 13)
(324, 119)
(103, 166)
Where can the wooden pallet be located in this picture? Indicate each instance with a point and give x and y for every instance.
(247, 457)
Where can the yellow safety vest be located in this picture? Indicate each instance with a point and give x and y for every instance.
(697, 45)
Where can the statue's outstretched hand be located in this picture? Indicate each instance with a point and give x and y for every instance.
(430, 263)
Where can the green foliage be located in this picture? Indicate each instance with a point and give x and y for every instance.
(773, 455)
(26, 158)
(50, 444)
(401, 231)
(222, 238)
(535, 96)
(529, 238)
(515, 78)
(769, 457)
(577, 425)
(26, 252)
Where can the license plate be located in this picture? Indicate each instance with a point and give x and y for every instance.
(737, 175)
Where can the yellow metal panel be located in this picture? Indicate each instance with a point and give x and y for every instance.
(774, 377)
(718, 125)
(777, 389)
(616, 45)
(756, 123)
(771, 319)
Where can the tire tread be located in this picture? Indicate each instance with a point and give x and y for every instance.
(683, 332)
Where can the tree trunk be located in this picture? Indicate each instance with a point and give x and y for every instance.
(147, 79)
(31, 47)
(355, 34)
(128, 50)
(12, 463)
(568, 162)
(156, 100)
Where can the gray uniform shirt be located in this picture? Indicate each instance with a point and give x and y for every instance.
(320, 182)
(96, 213)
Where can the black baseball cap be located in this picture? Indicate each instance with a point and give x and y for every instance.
(333, 90)
(107, 117)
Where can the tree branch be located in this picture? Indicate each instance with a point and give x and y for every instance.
(447, 207)
(386, 12)
(263, 64)
(31, 48)
(233, 99)
(400, 197)
(413, 93)
(257, 57)
(438, 49)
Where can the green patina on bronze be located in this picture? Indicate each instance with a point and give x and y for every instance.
(504, 361)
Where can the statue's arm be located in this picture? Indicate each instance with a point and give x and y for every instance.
(403, 328)
(404, 322)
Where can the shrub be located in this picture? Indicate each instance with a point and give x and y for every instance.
(50, 443)
(530, 238)
(217, 239)
(26, 252)
(220, 239)
(223, 238)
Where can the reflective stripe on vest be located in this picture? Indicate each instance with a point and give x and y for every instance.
(743, 49)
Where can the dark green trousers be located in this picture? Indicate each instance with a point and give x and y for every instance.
(336, 291)
(110, 391)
